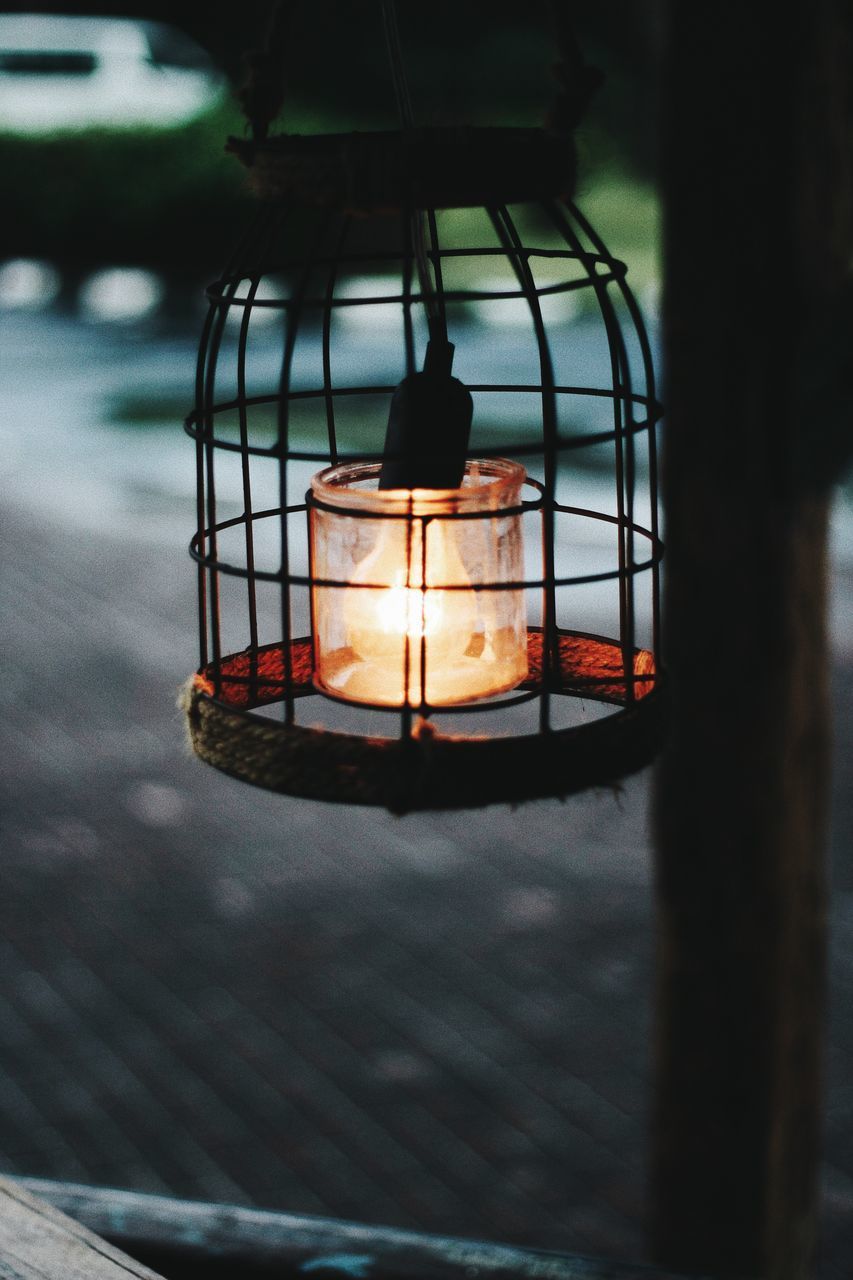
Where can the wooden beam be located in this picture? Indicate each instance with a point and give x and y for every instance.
(37, 1242)
(236, 1241)
(757, 246)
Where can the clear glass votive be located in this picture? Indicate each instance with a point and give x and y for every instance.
(423, 613)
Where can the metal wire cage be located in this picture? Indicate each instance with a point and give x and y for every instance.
(310, 328)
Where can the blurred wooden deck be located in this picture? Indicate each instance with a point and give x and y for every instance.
(38, 1243)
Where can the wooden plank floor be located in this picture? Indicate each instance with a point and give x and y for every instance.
(39, 1243)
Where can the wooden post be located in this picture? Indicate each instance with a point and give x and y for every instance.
(757, 243)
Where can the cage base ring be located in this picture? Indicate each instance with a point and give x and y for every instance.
(428, 770)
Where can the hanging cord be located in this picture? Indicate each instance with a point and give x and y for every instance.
(407, 120)
(577, 79)
(262, 94)
(429, 420)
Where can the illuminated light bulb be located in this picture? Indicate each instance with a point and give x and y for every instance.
(388, 625)
(412, 575)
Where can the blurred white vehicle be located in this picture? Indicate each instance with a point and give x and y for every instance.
(59, 73)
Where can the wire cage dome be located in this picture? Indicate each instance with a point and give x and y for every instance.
(424, 645)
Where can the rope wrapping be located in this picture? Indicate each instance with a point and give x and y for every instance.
(429, 770)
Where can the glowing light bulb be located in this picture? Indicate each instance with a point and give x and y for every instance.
(418, 581)
(396, 608)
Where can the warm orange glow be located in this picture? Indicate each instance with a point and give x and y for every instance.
(383, 624)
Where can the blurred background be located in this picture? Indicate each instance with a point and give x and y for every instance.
(439, 1022)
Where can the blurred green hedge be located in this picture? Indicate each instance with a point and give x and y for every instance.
(169, 198)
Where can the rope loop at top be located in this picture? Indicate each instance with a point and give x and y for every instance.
(262, 94)
(578, 80)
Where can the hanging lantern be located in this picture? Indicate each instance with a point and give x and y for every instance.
(406, 596)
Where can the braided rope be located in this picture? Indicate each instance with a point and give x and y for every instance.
(263, 91)
(430, 770)
(262, 94)
(577, 80)
(427, 771)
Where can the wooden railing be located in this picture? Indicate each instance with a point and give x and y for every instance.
(185, 1240)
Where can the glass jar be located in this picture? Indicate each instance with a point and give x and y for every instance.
(420, 613)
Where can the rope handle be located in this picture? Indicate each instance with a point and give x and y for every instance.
(577, 79)
(262, 94)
